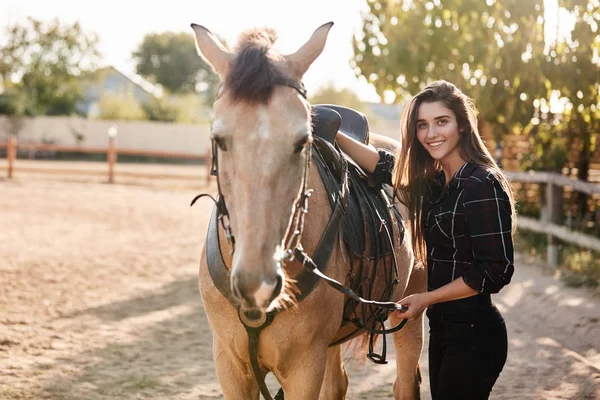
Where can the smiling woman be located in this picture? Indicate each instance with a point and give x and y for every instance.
(437, 131)
(462, 217)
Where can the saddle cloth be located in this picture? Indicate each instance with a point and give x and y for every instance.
(370, 227)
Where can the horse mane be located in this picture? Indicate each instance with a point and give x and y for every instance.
(254, 71)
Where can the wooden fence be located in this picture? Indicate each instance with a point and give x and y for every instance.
(111, 151)
(548, 222)
(553, 210)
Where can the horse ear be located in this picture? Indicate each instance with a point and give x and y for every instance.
(307, 54)
(212, 50)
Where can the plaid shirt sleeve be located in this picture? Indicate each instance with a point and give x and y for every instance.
(384, 168)
(489, 226)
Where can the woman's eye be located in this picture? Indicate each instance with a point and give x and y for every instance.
(421, 125)
(443, 121)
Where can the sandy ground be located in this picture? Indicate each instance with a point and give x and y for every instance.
(99, 299)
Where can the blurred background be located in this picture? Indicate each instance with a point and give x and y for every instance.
(114, 92)
(69, 71)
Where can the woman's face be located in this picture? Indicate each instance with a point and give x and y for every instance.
(437, 131)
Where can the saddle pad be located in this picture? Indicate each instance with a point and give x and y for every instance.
(369, 237)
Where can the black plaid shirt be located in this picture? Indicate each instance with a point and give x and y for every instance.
(467, 228)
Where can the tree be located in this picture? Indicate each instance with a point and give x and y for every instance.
(171, 60)
(498, 53)
(40, 65)
(490, 49)
(184, 108)
(330, 94)
(573, 73)
(120, 105)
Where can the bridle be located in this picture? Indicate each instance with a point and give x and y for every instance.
(296, 228)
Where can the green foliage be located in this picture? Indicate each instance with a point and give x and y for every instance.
(548, 149)
(40, 63)
(12, 102)
(186, 108)
(329, 94)
(496, 51)
(171, 60)
(121, 106)
(573, 72)
(578, 267)
(473, 43)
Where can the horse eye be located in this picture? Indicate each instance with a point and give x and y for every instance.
(220, 142)
(300, 144)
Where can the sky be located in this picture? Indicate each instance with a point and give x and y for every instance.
(122, 24)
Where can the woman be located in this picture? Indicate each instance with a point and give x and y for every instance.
(463, 218)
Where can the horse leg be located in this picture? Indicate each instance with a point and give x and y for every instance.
(335, 383)
(409, 343)
(235, 377)
(302, 378)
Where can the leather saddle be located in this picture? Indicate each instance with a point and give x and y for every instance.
(328, 119)
(372, 273)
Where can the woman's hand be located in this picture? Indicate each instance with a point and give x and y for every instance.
(416, 303)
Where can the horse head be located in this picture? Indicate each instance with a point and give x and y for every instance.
(261, 130)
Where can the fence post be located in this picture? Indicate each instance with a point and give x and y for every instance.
(11, 154)
(554, 209)
(111, 157)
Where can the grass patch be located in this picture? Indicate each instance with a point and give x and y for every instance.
(10, 393)
(577, 266)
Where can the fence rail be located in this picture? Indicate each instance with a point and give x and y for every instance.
(550, 218)
(111, 151)
(554, 179)
(549, 222)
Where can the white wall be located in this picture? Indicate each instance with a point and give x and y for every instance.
(138, 135)
(135, 135)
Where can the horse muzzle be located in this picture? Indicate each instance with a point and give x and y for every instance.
(256, 293)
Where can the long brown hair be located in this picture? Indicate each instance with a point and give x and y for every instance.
(415, 167)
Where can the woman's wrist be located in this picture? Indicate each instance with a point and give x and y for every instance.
(431, 297)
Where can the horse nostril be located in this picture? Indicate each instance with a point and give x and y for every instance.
(278, 287)
(241, 293)
(234, 288)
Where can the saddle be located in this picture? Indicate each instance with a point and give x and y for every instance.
(328, 119)
(370, 214)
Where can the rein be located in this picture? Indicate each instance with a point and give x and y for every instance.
(255, 322)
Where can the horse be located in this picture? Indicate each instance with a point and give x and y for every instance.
(261, 137)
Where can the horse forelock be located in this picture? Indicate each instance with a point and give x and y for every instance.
(257, 37)
(256, 68)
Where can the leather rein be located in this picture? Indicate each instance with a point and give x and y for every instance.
(314, 267)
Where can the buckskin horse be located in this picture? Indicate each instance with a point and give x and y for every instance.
(275, 251)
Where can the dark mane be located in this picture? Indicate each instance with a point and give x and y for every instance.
(254, 72)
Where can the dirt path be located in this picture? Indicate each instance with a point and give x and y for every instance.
(98, 300)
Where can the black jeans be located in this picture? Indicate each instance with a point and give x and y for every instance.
(467, 348)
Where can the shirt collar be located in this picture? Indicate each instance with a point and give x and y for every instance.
(459, 177)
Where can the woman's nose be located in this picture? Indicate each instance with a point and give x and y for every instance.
(431, 132)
